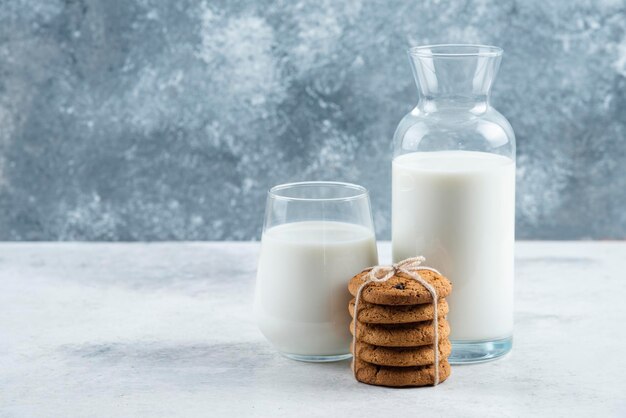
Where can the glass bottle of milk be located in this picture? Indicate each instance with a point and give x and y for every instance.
(453, 193)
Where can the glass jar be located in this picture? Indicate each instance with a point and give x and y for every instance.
(453, 193)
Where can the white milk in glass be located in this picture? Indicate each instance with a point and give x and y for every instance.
(457, 208)
(303, 273)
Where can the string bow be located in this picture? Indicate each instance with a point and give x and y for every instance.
(410, 267)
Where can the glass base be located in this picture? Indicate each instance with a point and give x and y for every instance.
(469, 352)
(318, 359)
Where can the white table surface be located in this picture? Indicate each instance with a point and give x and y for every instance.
(163, 330)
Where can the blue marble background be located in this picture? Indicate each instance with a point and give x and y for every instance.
(168, 120)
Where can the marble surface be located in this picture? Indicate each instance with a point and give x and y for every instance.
(151, 120)
(162, 330)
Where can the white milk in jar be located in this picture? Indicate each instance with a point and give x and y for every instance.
(457, 208)
(302, 284)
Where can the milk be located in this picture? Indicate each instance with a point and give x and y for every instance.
(302, 284)
(457, 208)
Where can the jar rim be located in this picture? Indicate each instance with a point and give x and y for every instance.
(455, 51)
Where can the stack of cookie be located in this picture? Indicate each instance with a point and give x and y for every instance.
(395, 333)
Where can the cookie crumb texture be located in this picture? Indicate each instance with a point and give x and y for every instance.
(400, 289)
(401, 357)
(399, 376)
(402, 314)
(400, 335)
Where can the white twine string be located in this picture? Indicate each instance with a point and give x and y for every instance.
(410, 267)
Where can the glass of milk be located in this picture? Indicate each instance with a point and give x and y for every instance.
(453, 193)
(316, 236)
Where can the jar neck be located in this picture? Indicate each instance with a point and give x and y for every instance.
(474, 104)
(454, 77)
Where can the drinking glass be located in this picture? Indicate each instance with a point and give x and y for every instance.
(316, 236)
